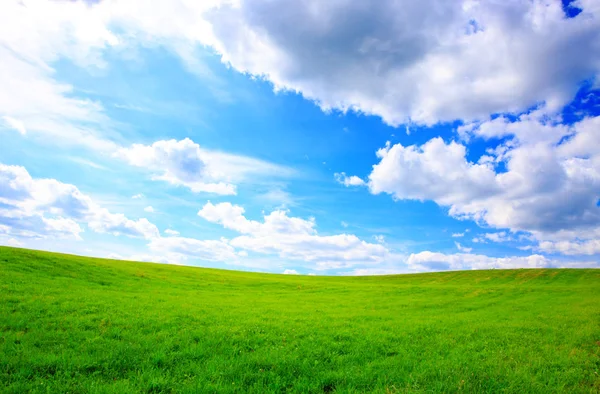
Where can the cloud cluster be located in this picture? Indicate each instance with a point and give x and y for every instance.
(293, 238)
(418, 61)
(431, 261)
(47, 208)
(185, 163)
(421, 62)
(575, 247)
(277, 240)
(34, 35)
(35, 103)
(498, 237)
(176, 250)
(37, 208)
(176, 162)
(342, 178)
(543, 179)
(462, 248)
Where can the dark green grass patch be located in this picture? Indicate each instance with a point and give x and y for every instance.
(82, 325)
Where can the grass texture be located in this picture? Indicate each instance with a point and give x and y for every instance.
(72, 324)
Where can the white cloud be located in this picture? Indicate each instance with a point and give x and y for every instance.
(293, 238)
(15, 124)
(290, 272)
(176, 250)
(462, 248)
(149, 209)
(353, 180)
(185, 163)
(576, 247)
(30, 95)
(279, 237)
(375, 271)
(172, 258)
(171, 232)
(36, 208)
(430, 261)
(137, 196)
(577, 264)
(544, 180)
(177, 162)
(11, 242)
(102, 221)
(277, 196)
(422, 63)
(434, 171)
(426, 62)
(60, 225)
(277, 222)
(458, 235)
(501, 236)
(380, 239)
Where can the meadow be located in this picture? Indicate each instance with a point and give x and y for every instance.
(72, 324)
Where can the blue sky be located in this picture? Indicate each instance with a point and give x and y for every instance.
(303, 137)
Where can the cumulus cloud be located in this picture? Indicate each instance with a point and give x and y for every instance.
(575, 247)
(176, 250)
(102, 221)
(434, 171)
(463, 249)
(62, 227)
(293, 238)
(170, 258)
(458, 235)
(149, 209)
(544, 179)
(176, 162)
(171, 232)
(375, 271)
(34, 208)
(501, 236)
(290, 272)
(345, 180)
(431, 261)
(83, 32)
(185, 163)
(423, 62)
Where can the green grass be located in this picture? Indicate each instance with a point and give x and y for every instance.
(83, 325)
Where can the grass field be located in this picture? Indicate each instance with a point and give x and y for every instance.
(83, 325)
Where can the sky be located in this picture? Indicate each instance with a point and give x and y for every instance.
(303, 137)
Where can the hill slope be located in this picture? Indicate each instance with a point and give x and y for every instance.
(75, 324)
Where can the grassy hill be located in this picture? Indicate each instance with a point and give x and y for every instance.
(83, 325)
